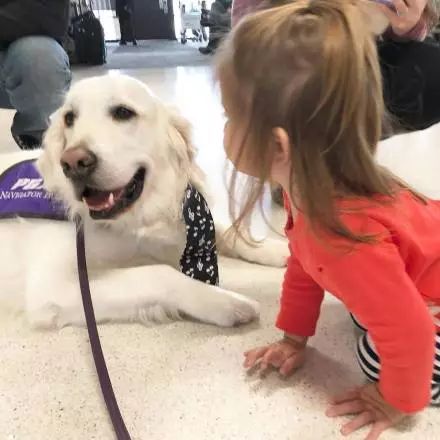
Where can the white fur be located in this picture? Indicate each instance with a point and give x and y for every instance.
(132, 260)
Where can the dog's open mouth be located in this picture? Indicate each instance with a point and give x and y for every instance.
(108, 204)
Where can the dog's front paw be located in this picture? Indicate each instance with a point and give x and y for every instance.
(234, 309)
(271, 252)
(44, 318)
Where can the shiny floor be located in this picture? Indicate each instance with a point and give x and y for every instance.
(181, 381)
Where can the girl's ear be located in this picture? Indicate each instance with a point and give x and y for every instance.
(281, 146)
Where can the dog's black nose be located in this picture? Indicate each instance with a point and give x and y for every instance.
(78, 163)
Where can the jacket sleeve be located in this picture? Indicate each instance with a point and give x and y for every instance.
(373, 283)
(30, 17)
(301, 300)
(418, 33)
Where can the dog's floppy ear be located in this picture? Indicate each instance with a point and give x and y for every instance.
(53, 145)
(180, 137)
(376, 19)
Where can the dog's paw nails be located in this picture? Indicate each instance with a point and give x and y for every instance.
(272, 253)
(45, 318)
(236, 310)
(247, 311)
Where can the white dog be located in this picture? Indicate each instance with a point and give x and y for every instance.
(122, 160)
(142, 162)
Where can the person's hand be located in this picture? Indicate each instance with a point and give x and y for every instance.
(286, 356)
(405, 14)
(368, 407)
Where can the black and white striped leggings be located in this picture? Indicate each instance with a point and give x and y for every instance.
(370, 363)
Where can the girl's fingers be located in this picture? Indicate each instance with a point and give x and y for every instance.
(252, 356)
(264, 367)
(349, 395)
(412, 4)
(289, 365)
(253, 350)
(377, 430)
(361, 420)
(346, 408)
(271, 358)
(401, 7)
(275, 358)
(389, 13)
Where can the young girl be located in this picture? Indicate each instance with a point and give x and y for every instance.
(302, 91)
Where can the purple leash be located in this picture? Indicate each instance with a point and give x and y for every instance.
(95, 344)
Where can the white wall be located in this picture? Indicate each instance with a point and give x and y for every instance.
(110, 24)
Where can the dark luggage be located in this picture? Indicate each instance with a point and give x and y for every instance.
(88, 35)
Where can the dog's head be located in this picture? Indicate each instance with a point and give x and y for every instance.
(111, 146)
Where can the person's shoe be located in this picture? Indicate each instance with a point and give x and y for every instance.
(122, 43)
(205, 50)
(27, 142)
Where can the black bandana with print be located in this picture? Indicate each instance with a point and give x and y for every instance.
(199, 259)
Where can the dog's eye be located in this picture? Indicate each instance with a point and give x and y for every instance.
(121, 113)
(69, 119)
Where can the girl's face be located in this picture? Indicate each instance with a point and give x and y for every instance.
(246, 156)
(236, 146)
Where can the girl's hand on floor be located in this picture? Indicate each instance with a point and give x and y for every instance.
(405, 16)
(368, 407)
(286, 356)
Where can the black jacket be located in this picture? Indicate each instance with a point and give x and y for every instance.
(124, 7)
(20, 18)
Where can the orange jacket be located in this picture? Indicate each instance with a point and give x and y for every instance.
(391, 286)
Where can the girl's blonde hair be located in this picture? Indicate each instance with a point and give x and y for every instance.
(310, 67)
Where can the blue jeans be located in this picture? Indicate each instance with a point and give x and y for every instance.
(34, 76)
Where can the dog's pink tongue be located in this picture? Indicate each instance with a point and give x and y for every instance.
(97, 200)
(102, 200)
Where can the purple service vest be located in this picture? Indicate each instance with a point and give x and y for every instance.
(22, 194)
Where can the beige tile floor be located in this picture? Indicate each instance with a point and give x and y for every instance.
(182, 381)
